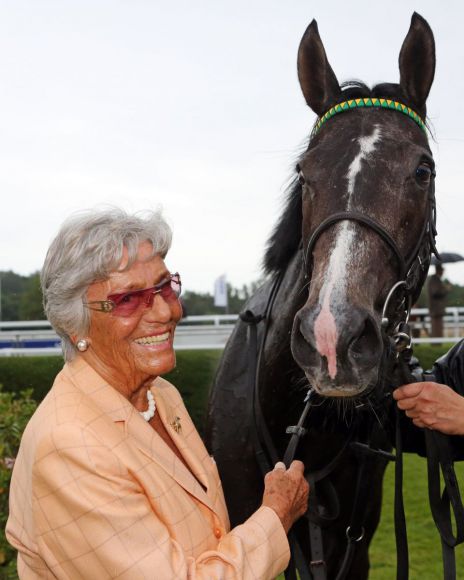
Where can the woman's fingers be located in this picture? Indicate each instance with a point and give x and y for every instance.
(407, 391)
(405, 404)
(286, 492)
(280, 465)
(297, 467)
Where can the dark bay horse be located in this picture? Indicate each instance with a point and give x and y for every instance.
(349, 254)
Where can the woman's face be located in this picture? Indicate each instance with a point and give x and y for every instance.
(129, 350)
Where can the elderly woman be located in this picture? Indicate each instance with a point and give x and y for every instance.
(112, 480)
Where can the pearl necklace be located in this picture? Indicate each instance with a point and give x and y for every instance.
(150, 412)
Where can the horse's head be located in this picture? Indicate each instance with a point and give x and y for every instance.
(366, 184)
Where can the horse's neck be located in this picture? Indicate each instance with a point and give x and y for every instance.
(291, 296)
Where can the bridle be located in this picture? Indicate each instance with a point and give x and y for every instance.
(412, 269)
(412, 272)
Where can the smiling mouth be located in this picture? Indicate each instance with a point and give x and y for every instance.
(155, 339)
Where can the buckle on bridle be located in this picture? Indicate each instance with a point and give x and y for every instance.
(296, 430)
(354, 539)
(402, 341)
(394, 288)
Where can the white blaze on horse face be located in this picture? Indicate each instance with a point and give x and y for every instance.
(367, 146)
(332, 296)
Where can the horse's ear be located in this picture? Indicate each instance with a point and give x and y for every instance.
(317, 79)
(417, 63)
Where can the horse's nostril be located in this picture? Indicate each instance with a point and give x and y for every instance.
(364, 346)
(303, 348)
(359, 342)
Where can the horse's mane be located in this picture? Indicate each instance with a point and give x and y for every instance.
(286, 236)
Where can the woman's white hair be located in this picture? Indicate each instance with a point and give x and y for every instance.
(88, 247)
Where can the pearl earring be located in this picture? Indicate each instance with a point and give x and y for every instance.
(82, 345)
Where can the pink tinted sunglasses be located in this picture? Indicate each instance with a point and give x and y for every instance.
(127, 303)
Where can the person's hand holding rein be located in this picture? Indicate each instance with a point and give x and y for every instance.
(286, 491)
(432, 406)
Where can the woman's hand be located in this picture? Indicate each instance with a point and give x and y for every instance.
(286, 491)
(432, 406)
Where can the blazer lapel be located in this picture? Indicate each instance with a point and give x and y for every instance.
(120, 410)
(150, 443)
(188, 443)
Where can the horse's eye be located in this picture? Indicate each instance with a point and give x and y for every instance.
(301, 178)
(424, 173)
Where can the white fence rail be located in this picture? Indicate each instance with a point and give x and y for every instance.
(37, 338)
(33, 338)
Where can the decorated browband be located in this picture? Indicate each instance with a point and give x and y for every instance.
(366, 103)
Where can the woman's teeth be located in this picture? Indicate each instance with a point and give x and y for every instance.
(152, 339)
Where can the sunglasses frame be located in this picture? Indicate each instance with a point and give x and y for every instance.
(109, 305)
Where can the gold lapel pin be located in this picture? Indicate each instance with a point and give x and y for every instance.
(176, 425)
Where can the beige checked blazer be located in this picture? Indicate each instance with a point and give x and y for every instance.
(96, 493)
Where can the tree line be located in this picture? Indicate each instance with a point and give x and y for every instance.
(21, 298)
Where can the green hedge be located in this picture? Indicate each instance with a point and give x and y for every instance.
(35, 372)
(192, 376)
(15, 411)
(429, 353)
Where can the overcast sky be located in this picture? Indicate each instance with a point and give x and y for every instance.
(195, 107)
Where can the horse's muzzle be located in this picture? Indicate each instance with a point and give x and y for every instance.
(341, 357)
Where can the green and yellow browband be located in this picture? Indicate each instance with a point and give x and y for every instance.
(369, 102)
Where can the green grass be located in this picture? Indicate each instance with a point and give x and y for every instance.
(424, 541)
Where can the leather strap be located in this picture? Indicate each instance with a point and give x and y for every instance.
(263, 458)
(401, 536)
(367, 221)
(317, 563)
(265, 451)
(439, 456)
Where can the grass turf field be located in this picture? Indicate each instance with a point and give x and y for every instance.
(424, 542)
